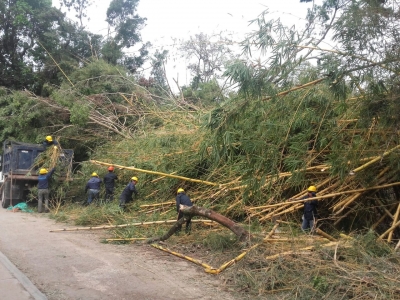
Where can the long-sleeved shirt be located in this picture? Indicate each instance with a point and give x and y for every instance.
(93, 184)
(109, 179)
(183, 199)
(128, 191)
(310, 208)
(44, 180)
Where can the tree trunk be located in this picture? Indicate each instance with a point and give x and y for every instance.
(191, 211)
(241, 233)
(169, 233)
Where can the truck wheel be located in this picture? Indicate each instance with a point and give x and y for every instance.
(5, 195)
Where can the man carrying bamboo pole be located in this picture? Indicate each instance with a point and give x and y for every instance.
(310, 210)
(182, 198)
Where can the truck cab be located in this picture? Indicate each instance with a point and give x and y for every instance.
(18, 171)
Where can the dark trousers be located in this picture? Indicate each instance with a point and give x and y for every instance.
(188, 222)
(109, 196)
(124, 200)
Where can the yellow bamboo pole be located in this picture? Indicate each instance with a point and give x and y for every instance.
(229, 263)
(395, 218)
(125, 225)
(274, 214)
(195, 261)
(155, 173)
(393, 227)
(325, 235)
(125, 239)
(298, 251)
(334, 194)
(375, 159)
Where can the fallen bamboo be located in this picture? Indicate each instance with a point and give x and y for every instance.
(125, 239)
(297, 252)
(125, 225)
(334, 195)
(396, 217)
(393, 227)
(229, 263)
(155, 173)
(325, 235)
(195, 261)
(375, 159)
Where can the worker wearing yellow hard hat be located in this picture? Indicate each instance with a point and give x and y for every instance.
(310, 210)
(43, 189)
(49, 141)
(127, 193)
(183, 199)
(93, 186)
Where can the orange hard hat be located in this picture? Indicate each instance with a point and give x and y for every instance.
(110, 168)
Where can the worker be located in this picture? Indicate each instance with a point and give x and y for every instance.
(49, 141)
(310, 210)
(43, 189)
(182, 198)
(109, 183)
(129, 190)
(93, 185)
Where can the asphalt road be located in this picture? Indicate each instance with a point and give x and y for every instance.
(76, 265)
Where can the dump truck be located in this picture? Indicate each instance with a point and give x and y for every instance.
(19, 173)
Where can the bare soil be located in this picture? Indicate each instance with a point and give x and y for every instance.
(76, 265)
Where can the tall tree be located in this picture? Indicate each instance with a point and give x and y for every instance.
(124, 32)
(23, 24)
(207, 56)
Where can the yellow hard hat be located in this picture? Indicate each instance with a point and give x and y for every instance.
(180, 190)
(134, 178)
(312, 189)
(49, 138)
(43, 171)
(94, 174)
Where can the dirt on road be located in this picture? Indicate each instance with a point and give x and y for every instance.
(76, 265)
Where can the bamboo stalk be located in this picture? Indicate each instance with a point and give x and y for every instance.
(195, 261)
(125, 225)
(393, 227)
(325, 235)
(155, 173)
(373, 227)
(273, 214)
(230, 263)
(386, 210)
(334, 194)
(375, 159)
(396, 217)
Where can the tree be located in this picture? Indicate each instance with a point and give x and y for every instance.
(207, 54)
(23, 25)
(124, 26)
(80, 7)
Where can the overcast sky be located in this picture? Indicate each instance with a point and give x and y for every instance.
(167, 19)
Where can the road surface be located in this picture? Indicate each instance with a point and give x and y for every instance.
(76, 265)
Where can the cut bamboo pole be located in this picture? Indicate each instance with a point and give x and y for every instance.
(385, 209)
(334, 194)
(273, 214)
(325, 235)
(125, 239)
(393, 227)
(373, 227)
(347, 203)
(375, 159)
(229, 263)
(155, 173)
(396, 217)
(125, 225)
(195, 261)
